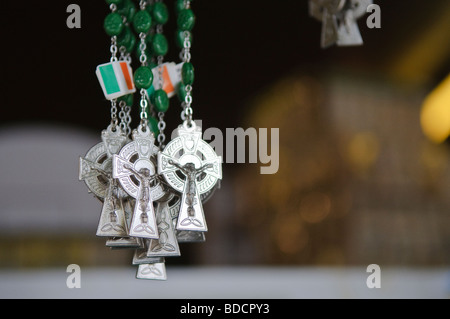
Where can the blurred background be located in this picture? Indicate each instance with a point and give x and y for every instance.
(364, 156)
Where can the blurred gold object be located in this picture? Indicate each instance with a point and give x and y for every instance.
(435, 114)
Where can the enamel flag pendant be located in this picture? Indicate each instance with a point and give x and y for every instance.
(116, 79)
(167, 76)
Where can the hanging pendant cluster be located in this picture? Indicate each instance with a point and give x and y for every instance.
(338, 19)
(152, 194)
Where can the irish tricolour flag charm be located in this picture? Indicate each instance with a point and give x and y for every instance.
(116, 79)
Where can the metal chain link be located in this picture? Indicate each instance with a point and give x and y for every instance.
(143, 104)
(161, 127)
(143, 59)
(142, 4)
(188, 88)
(114, 121)
(113, 48)
(122, 116)
(160, 61)
(142, 48)
(128, 120)
(122, 51)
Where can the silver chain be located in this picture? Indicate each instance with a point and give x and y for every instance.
(122, 116)
(128, 119)
(188, 111)
(160, 61)
(142, 48)
(143, 104)
(185, 56)
(161, 127)
(142, 4)
(114, 120)
(143, 59)
(113, 48)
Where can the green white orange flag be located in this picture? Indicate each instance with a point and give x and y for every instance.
(116, 79)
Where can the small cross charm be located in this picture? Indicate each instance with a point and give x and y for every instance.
(339, 20)
(95, 170)
(192, 168)
(135, 168)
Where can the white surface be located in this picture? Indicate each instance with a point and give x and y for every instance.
(39, 188)
(228, 283)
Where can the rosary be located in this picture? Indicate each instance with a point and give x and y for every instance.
(152, 193)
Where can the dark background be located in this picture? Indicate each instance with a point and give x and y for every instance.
(239, 48)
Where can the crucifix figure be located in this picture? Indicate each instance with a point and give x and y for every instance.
(95, 170)
(199, 170)
(112, 219)
(190, 193)
(144, 199)
(135, 170)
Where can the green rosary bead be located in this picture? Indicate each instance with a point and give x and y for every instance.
(186, 20)
(181, 92)
(187, 73)
(126, 39)
(149, 8)
(143, 77)
(130, 45)
(179, 38)
(153, 124)
(113, 24)
(127, 9)
(128, 99)
(160, 13)
(159, 44)
(180, 5)
(160, 100)
(142, 21)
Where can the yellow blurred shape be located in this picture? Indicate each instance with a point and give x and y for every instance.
(435, 114)
(427, 50)
(363, 150)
